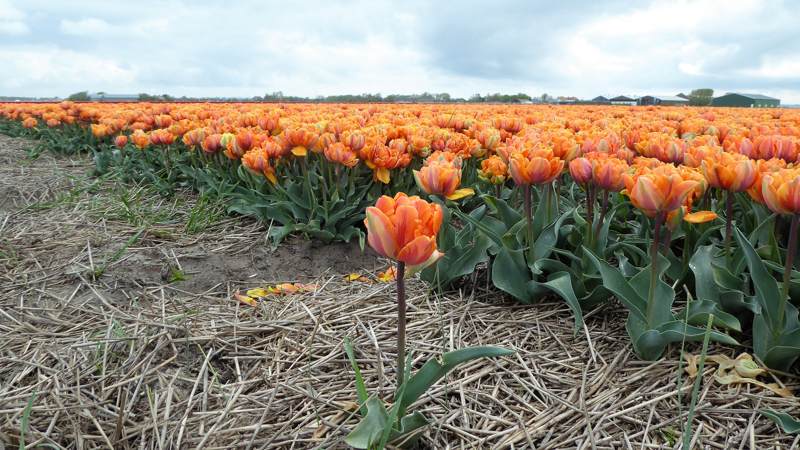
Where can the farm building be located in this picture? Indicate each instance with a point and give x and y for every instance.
(746, 101)
(623, 100)
(103, 97)
(665, 100)
(601, 100)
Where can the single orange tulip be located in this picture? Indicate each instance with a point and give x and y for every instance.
(121, 141)
(493, 170)
(781, 191)
(529, 168)
(729, 171)
(657, 191)
(581, 170)
(608, 172)
(439, 176)
(404, 229)
(339, 153)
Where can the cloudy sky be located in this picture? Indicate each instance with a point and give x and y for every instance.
(309, 48)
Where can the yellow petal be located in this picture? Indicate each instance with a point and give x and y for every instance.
(383, 175)
(245, 299)
(299, 151)
(257, 292)
(461, 193)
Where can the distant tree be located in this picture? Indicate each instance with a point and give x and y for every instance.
(546, 98)
(701, 97)
(82, 96)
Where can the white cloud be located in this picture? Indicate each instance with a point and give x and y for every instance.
(249, 47)
(62, 69)
(12, 20)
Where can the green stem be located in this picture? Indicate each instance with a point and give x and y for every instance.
(401, 323)
(687, 431)
(603, 210)
(526, 194)
(728, 222)
(654, 272)
(787, 270)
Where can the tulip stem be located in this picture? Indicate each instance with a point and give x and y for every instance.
(787, 270)
(654, 272)
(526, 194)
(603, 210)
(728, 222)
(401, 322)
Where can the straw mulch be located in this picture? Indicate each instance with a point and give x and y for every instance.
(130, 357)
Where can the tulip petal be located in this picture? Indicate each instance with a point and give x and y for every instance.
(382, 174)
(380, 233)
(417, 251)
(461, 193)
(700, 217)
(435, 256)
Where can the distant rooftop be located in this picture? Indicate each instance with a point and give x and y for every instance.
(671, 98)
(753, 96)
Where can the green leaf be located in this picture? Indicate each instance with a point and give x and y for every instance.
(548, 238)
(503, 211)
(619, 286)
(432, 371)
(786, 422)
(510, 274)
(767, 291)
(560, 283)
(699, 310)
(459, 261)
(369, 431)
(360, 386)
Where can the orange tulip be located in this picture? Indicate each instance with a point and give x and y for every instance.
(781, 191)
(607, 173)
(763, 167)
(339, 153)
(658, 191)
(404, 229)
(439, 176)
(729, 171)
(212, 143)
(193, 138)
(30, 122)
(530, 168)
(121, 141)
(140, 139)
(257, 161)
(493, 170)
(581, 170)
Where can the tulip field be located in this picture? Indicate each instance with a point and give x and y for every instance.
(684, 218)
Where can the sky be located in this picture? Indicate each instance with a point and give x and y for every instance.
(309, 48)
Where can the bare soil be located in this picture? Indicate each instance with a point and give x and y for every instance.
(118, 329)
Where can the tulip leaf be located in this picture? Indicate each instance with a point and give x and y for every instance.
(699, 310)
(504, 212)
(369, 431)
(786, 422)
(561, 283)
(433, 370)
(766, 287)
(615, 282)
(510, 273)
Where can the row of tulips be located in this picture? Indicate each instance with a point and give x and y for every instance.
(583, 203)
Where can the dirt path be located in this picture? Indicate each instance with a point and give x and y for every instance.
(118, 328)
